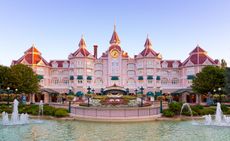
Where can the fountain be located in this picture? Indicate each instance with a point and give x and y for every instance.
(40, 108)
(15, 117)
(219, 120)
(189, 108)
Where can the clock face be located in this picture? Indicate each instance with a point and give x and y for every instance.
(114, 53)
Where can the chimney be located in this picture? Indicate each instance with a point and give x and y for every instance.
(95, 51)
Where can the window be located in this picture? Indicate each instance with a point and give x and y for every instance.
(150, 81)
(79, 81)
(164, 81)
(175, 81)
(66, 82)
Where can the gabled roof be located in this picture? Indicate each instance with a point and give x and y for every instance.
(148, 49)
(59, 62)
(198, 49)
(170, 63)
(82, 49)
(198, 56)
(31, 56)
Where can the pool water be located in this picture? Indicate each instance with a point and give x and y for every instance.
(52, 130)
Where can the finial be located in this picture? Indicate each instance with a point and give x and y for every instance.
(33, 44)
(115, 24)
(147, 35)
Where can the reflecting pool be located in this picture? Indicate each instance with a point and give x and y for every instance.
(52, 130)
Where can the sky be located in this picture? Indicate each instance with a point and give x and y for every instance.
(175, 27)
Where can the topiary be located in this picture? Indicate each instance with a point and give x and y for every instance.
(175, 107)
(60, 112)
(168, 113)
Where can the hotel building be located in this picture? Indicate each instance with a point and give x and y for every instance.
(147, 69)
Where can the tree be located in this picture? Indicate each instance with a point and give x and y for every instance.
(24, 79)
(227, 79)
(5, 77)
(208, 79)
(223, 63)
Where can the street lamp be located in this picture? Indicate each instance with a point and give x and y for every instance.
(16, 93)
(70, 92)
(8, 98)
(142, 96)
(219, 89)
(88, 95)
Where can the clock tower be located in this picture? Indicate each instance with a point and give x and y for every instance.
(114, 60)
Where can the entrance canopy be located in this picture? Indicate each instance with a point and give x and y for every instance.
(181, 91)
(47, 90)
(115, 90)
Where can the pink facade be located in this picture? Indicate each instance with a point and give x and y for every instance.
(146, 69)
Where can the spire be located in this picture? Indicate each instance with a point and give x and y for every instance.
(82, 43)
(115, 39)
(148, 43)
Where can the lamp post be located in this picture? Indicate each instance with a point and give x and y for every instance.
(88, 94)
(127, 91)
(136, 91)
(70, 92)
(219, 90)
(8, 94)
(16, 90)
(142, 89)
(161, 105)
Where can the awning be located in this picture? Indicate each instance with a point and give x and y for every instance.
(71, 77)
(140, 78)
(149, 77)
(150, 94)
(114, 78)
(190, 77)
(79, 94)
(181, 91)
(40, 77)
(50, 91)
(79, 77)
(158, 78)
(89, 77)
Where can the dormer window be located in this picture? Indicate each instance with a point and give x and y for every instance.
(65, 65)
(54, 65)
(175, 64)
(164, 64)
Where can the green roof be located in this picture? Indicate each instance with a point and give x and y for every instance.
(79, 93)
(150, 94)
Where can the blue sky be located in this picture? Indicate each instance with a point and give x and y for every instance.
(175, 27)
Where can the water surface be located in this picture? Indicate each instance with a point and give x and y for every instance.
(52, 130)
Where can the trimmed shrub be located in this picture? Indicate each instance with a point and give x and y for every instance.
(224, 108)
(168, 113)
(175, 107)
(60, 112)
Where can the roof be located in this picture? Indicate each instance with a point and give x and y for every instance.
(59, 62)
(32, 56)
(148, 48)
(198, 56)
(181, 91)
(82, 49)
(170, 63)
(48, 90)
(198, 49)
(115, 38)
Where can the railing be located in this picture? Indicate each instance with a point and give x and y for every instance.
(115, 112)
